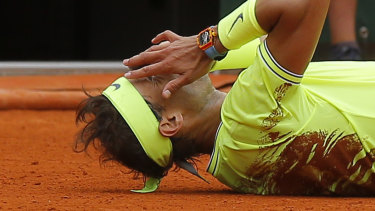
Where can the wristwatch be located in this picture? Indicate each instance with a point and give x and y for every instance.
(205, 40)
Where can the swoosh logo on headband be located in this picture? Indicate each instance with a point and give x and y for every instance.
(240, 16)
(117, 86)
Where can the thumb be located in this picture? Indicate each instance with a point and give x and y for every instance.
(172, 86)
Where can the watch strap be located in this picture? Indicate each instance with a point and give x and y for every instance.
(214, 54)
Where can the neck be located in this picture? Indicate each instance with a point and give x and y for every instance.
(208, 122)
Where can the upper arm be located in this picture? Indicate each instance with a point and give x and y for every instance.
(293, 28)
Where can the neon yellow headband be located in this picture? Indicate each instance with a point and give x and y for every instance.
(134, 109)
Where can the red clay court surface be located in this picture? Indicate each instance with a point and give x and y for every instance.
(40, 171)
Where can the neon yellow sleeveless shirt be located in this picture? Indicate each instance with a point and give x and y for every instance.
(284, 133)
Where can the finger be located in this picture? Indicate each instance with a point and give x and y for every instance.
(166, 35)
(158, 47)
(146, 71)
(142, 59)
(174, 85)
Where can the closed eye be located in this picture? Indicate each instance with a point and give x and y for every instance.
(154, 79)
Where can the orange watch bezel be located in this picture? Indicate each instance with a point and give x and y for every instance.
(211, 33)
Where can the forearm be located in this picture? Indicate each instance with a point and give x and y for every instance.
(293, 28)
(238, 58)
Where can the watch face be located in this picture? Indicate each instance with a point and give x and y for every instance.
(204, 38)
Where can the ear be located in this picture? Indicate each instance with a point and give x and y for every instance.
(171, 124)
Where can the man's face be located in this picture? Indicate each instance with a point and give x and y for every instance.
(150, 88)
(191, 97)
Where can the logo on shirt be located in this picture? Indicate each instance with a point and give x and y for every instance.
(240, 16)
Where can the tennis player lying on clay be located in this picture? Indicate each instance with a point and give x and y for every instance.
(287, 126)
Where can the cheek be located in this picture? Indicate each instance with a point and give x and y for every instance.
(192, 90)
(156, 95)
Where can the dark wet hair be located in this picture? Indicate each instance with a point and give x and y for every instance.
(108, 131)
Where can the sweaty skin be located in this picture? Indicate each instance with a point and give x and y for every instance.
(197, 118)
(181, 52)
(293, 30)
